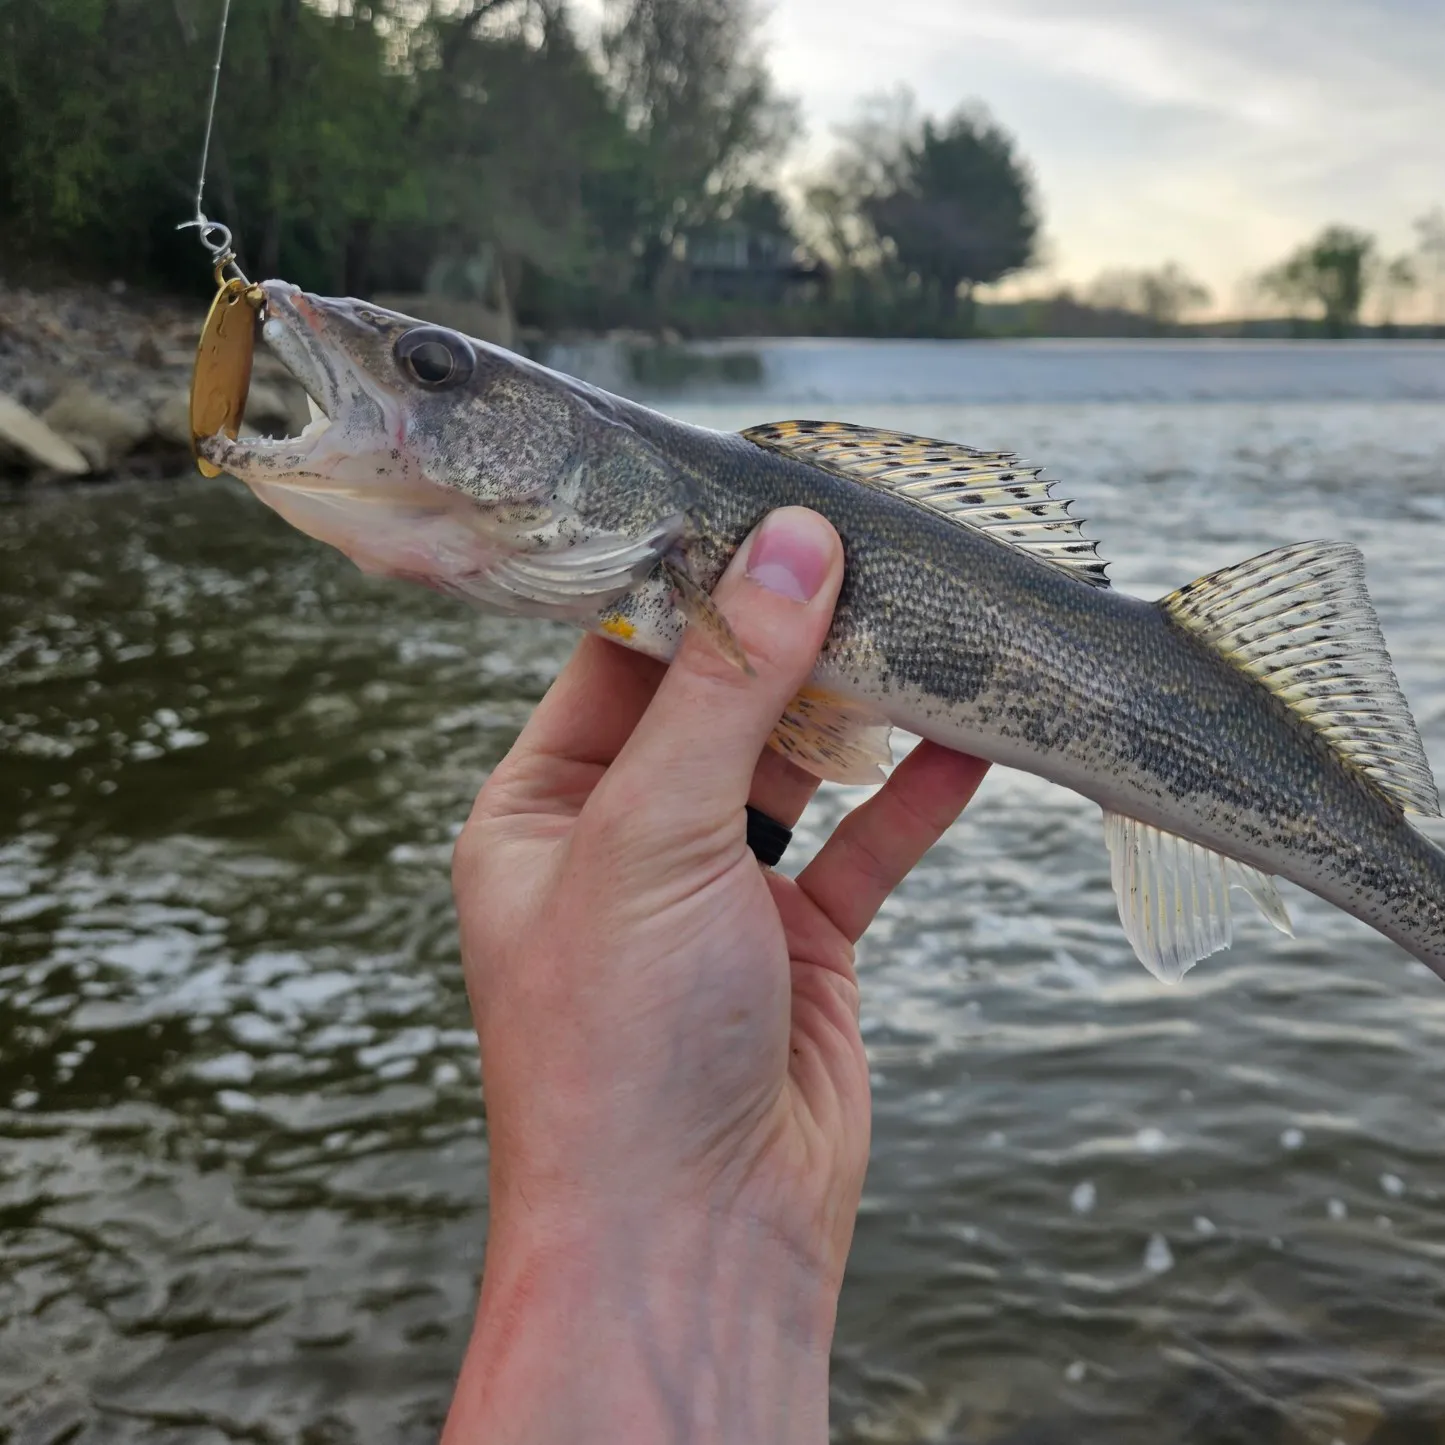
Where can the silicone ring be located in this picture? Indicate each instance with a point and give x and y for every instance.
(767, 837)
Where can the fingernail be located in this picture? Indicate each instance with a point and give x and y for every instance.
(791, 553)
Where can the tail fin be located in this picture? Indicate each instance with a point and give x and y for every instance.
(1299, 620)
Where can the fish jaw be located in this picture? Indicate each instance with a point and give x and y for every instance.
(350, 479)
(356, 440)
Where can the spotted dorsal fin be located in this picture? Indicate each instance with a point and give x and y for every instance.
(991, 492)
(1299, 619)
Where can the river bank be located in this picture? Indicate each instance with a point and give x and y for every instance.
(95, 383)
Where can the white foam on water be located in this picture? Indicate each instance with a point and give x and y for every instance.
(1158, 1257)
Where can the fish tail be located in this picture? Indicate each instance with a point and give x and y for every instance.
(1413, 914)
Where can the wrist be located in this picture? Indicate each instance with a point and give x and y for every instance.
(707, 1330)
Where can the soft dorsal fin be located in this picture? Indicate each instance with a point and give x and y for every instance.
(1299, 619)
(991, 492)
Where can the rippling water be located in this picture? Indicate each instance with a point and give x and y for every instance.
(241, 1156)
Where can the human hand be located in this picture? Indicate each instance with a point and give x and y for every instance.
(677, 1092)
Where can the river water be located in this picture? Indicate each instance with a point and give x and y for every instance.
(241, 1151)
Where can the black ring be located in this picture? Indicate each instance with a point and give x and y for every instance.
(767, 837)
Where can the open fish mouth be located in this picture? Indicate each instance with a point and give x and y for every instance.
(289, 329)
(351, 477)
(349, 413)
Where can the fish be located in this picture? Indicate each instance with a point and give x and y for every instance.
(1246, 727)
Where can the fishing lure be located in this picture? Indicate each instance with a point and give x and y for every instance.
(221, 377)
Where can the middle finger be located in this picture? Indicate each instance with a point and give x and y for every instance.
(781, 789)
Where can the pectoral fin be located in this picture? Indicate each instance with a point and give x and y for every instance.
(1173, 895)
(572, 582)
(834, 738)
(703, 613)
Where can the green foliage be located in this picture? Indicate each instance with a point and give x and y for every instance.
(365, 144)
(79, 80)
(105, 102)
(1329, 272)
(958, 210)
(487, 148)
(699, 102)
(915, 214)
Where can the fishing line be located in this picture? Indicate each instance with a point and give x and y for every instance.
(221, 377)
(215, 237)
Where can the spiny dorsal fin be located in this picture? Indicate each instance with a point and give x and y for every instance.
(1173, 895)
(988, 491)
(1300, 620)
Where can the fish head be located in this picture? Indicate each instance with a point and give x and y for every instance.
(429, 455)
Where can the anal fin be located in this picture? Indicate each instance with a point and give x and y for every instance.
(834, 738)
(1173, 895)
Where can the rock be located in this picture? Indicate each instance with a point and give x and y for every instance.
(148, 353)
(171, 419)
(26, 436)
(276, 410)
(102, 429)
(265, 406)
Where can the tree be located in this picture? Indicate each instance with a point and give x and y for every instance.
(1430, 228)
(697, 95)
(957, 206)
(103, 105)
(514, 137)
(370, 146)
(833, 220)
(1329, 272)
(1394, 280)
(1164, 295)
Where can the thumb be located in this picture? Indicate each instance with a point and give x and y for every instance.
(688, 766)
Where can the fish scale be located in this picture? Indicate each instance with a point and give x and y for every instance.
(1247, 727)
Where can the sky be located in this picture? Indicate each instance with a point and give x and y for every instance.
(1216, 133)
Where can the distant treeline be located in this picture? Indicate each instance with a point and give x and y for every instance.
(487, 149)
(495, 152)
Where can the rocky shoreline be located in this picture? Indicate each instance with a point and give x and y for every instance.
(95, 384)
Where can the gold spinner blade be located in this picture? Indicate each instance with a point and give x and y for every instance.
(222, 374)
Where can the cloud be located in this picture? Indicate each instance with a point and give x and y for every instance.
(1218, 132)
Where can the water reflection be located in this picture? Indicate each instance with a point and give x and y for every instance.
(241, 1180)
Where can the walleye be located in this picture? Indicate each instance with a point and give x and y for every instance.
(1246, 727)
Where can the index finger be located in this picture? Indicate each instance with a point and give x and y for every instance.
(878, 844)
(593, 706)
(582, 721)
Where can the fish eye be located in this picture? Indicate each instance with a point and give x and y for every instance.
(434, 357)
